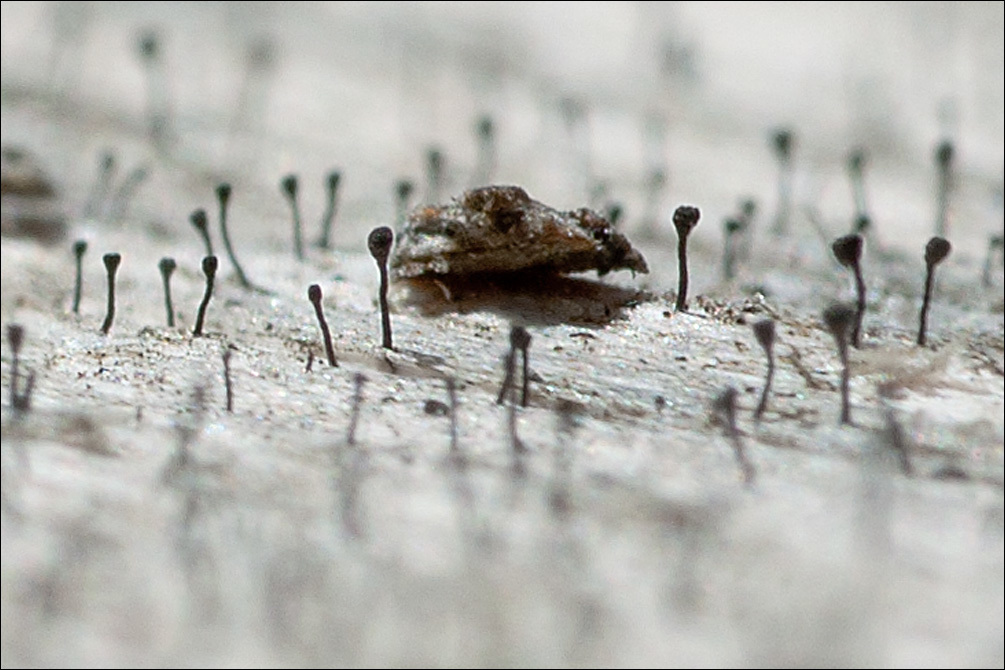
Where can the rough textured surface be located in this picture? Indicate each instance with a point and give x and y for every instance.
(500, 229)
(142, 523)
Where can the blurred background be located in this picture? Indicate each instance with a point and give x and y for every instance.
(627, 102)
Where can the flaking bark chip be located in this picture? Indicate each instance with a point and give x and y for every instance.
(501, 229)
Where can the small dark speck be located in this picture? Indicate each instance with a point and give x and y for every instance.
(680, 358)
(951, 472)
(667, 314)
(436, 408)
(268, 327)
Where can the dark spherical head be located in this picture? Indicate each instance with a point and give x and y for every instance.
(944, 153)
(198, 219)
(334, 177)
(839, 318)
(289, 185)
(107, 161)
(79, 248)
(732, 226)
(764, 331)
(112, 261)
(404, 189)
(15, 336)
(848, 250)
(209, 265)
(936, 250)
(995, 242)
(314, 293)
(167, 266)
(782, 140)
(379, 243)
(519, 338)
(685, 218)
(149, 45)
(223, 192)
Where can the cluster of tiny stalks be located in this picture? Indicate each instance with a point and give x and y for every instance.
(844, 322)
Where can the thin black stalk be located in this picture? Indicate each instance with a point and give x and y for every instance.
(111, 262)
(223, 196)
(227, 383)
(15, 338)
(935, 252)
(764, 331)
(520, 339)
(685, 218)
(848, 251)
(167, 267)
(314, 295)
(289, 188)
(331, 207)
(209, 266)
(782, 141)
(379, 242)
(839, 318)
(79, 249)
